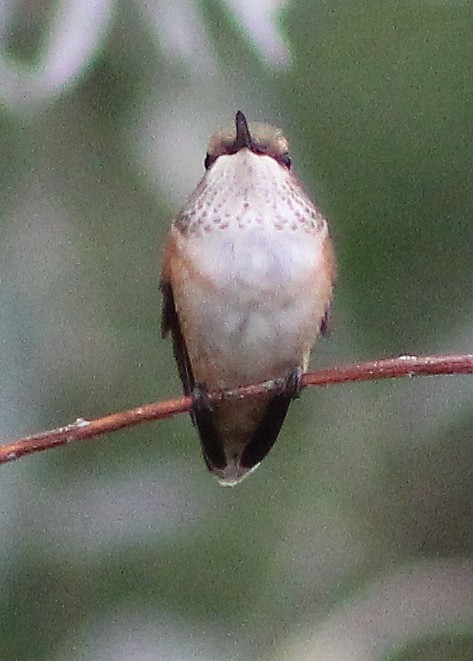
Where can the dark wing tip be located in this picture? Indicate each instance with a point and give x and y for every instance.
(267, 431)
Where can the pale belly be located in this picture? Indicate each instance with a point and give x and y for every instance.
(255, 309)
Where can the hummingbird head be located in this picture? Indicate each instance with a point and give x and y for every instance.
(259, 138)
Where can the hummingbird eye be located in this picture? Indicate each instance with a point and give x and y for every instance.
(209, 161)
(285, 160)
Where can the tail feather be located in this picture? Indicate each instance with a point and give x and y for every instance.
(236, 436)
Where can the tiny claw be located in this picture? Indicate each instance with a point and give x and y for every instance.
(200, 400)
(293, 385)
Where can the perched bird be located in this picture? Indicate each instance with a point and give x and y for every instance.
(247, 283)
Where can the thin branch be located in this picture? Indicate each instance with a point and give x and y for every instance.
(388, 368)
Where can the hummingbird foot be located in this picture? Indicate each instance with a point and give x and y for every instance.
(201, 404)
(293, 384)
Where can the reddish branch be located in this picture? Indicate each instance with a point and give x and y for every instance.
(388, 368)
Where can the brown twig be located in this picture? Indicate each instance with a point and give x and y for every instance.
(387, 368)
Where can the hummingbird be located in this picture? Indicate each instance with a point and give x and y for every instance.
(247, 284)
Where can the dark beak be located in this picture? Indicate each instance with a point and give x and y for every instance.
(243, 137)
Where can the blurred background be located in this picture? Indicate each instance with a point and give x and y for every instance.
(354, 539)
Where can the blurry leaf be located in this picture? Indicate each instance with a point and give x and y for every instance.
(70, 39)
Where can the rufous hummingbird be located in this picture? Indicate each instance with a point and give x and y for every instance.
(247, 282)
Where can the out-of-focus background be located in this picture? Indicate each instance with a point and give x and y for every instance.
(354, 539)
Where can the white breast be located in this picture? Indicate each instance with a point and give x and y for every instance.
(257, 305)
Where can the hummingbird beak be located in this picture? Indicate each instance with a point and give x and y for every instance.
(243, 137)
